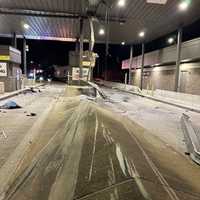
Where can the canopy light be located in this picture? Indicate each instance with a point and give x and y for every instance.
(123, 43)
(184, 5)
(26, 26)
(101, 31)
(170, 40)
(157, 1)
(142, 34)
(121, 3)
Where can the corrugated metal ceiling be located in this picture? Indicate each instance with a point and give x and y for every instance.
(157, 20)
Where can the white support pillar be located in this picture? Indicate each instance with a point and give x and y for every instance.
(130, 64)
(142, 67)
(178, 61)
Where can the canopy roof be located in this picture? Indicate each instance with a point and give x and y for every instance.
(59, 19)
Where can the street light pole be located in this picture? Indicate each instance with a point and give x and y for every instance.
(14, 40)
(107, 41)
(24, 57)
(81, 50)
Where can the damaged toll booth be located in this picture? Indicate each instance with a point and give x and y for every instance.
(10, 71)
(88, 63)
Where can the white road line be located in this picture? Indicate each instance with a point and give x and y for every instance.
(115, 195)
(160, 177)
(3, 133)
(94, 147)
(136, 176)
(120, 158)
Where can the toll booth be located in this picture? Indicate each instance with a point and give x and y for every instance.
(88, 63)
(10, 71)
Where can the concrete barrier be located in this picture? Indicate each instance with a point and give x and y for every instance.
(191, 138)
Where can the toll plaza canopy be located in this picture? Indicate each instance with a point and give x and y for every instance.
(59, 19)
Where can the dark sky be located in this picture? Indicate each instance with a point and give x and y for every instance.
(48, 53)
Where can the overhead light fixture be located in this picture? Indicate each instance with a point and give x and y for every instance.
(183, 6)
(121, 3)
(26, 26)
(157, 1)
(101, 31)
(170, 40)
(123, 43)
(141, 34)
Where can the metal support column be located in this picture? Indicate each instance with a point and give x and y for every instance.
(142, 67)
(130, 64)
(77, 45)
(107, 42)
(178, 60)
(81, 49)
(24, 56)
(14, 40)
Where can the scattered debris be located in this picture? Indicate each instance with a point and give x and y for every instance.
(10, 105)
(2, 132)
(31, 114)
(32, 90)
(187, 153)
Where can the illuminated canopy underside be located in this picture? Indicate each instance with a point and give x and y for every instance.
(155, 19)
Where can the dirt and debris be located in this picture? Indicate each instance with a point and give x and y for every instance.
(79, 150)
(33, 90)
(31, 114)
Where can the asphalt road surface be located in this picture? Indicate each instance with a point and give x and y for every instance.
(79, 150)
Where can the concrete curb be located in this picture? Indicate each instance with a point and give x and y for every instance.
(190, 108)
(191, 139)
(12, 94)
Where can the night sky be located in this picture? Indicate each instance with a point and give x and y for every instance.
(48, 53)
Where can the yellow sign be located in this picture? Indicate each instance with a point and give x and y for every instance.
(86, 63)
(4, 57)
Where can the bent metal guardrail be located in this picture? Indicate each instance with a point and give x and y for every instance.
(191, 138)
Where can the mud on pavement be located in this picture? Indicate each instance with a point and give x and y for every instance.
(79, 150)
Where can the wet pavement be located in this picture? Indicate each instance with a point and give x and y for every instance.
(94, 154)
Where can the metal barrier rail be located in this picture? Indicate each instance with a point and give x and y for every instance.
(191, 138)
(103, 95)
